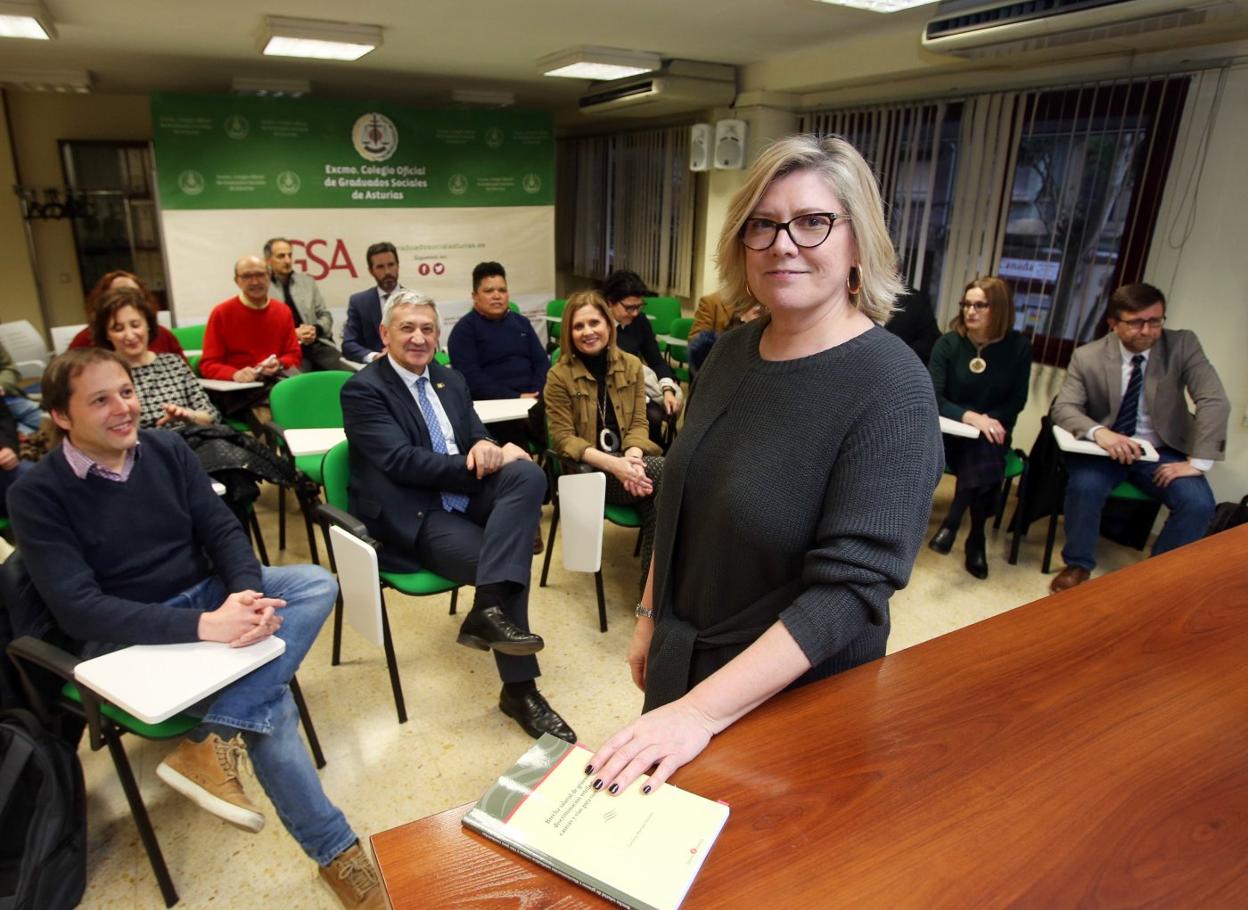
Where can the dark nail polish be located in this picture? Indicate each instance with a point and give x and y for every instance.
(589, 769)
(613, 789)
(646, 789)
(598, 784)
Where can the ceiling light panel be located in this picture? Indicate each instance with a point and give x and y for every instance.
(25, 19)
(598, 63)
(879, 6)
(311, 38)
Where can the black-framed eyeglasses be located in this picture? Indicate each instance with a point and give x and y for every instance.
(1138, 325)
(632, 309)
(806, 231)
(977, 305)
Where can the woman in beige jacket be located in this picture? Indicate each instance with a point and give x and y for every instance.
(596, 405)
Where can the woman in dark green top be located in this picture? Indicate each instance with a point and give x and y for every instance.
(980, 370)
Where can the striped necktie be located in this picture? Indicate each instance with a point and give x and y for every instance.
(452, 502)
(1130, 409)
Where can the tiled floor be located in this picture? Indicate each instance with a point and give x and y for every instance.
(383, 774)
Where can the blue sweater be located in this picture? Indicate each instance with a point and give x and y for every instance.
(500, 358)
(105, 555)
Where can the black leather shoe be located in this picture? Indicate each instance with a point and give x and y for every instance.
(977, 562)
(488, 628)
(943, 541)
(532, 712)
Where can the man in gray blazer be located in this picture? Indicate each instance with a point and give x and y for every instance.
(314, 324)
(1131, 383)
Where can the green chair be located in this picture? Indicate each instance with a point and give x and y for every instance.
(335, 474)
(1125, 490)
(442, 357)
(679, 353)
(303, 402)
(39, 662)
(191, 337)
(624, 516)
(662, 312)
(554, 310)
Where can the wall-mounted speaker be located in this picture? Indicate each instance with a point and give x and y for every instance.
(730, 145)
(700, 138)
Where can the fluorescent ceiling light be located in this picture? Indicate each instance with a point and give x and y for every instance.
(46, 80)
(600, 63)
(271, 88)
(880, 6)
(282, 37)
(25, 19)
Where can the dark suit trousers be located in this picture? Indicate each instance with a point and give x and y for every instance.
(492, 542)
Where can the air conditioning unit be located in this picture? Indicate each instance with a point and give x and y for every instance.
(680, 86)
(983, 28)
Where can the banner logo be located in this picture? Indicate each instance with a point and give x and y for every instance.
(237, 127)
(191, 182)
(493, 137)
(531, 183)
(458, 184)
(288, 182)
(375, 137)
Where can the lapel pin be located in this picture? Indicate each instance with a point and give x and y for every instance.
(440, 385)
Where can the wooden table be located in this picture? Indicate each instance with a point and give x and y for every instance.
(1087, 749)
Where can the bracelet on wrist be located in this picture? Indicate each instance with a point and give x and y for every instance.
(643, 612)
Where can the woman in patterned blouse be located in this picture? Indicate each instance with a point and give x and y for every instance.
(169, 392)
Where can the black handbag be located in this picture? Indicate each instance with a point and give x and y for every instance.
(1228, 515)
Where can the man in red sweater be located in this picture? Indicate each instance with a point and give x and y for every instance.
(250, 337)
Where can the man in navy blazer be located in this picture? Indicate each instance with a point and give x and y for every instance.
(428, 481)
(361, 340)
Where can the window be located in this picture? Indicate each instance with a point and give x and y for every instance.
(626, 201)
(1055, 190)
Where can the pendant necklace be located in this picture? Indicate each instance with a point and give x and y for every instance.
(978, 364)
(608, 439)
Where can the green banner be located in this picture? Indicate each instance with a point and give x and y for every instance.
(237, 152)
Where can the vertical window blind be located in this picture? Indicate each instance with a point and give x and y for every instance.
(628, 202)
(1056, 190)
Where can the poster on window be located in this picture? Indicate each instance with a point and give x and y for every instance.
(448, 188)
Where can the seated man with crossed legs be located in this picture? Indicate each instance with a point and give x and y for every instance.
(127, 543)
(428, 480)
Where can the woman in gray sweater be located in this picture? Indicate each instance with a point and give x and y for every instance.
(796, 497)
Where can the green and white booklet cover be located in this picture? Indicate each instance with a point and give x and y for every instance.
(638, 850)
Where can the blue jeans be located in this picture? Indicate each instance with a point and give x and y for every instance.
(260, 705)
(25, 412)
(1091, 477)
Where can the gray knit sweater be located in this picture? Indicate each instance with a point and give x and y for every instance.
(797, 490)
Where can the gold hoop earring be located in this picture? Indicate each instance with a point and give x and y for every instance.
(853, 281)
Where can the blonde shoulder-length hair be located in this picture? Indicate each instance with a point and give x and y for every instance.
(849, 177)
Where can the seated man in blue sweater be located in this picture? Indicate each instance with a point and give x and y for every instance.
(500, 355)
(127, 543)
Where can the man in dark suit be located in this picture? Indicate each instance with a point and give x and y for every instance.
(361, 341)
(428, 481)
(1132, 383)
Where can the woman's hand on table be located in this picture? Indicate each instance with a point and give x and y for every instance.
(178, 414)
(638, 649)
(993, 429)
(669, 737)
